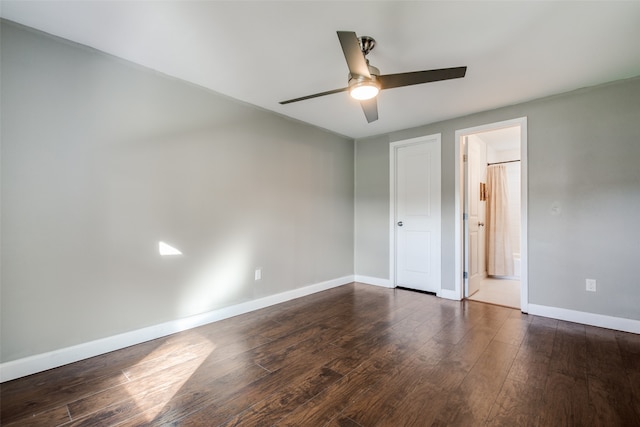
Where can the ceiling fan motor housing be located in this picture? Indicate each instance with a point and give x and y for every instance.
(373, 71)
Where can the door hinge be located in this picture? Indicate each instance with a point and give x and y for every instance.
(465, 157)
(465, 275)
(465, 216)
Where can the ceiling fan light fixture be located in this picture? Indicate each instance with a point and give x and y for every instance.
(363, 89)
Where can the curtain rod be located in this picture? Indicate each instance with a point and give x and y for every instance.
(499, 163)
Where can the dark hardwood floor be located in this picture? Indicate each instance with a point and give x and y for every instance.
(356, 355)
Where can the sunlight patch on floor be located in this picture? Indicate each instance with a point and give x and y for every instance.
(151, 402)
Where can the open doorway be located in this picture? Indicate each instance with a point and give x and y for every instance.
(491, 205)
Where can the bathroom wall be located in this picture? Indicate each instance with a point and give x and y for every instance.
(513, 180)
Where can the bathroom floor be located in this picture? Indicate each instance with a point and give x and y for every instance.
(505, 292)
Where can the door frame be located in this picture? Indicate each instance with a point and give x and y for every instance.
(460, 229)
(393, 148)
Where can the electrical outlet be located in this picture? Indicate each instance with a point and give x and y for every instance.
(258, 274)
(591, 285)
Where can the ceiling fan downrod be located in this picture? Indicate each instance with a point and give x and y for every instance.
(366, 44)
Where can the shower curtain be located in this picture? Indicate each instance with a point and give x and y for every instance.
(499, 253)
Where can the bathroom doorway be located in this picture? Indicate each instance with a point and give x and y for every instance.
(491, 203)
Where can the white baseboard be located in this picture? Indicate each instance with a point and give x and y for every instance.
(385, 283)
(53, 359)
(449, 294)
(593, 319)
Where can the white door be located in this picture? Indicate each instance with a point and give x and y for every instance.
(476, 210)
(417, 215)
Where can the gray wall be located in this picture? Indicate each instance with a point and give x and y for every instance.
(102, 159)
(583, 157)
(372, 208)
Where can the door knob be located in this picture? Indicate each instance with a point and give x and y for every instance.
(481, 224)
(399, 223)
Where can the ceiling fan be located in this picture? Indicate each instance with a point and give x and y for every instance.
(365, 80)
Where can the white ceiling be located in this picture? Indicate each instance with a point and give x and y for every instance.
(263, 52)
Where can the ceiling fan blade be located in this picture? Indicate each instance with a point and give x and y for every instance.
(353, 54)
(370, 108)
(418, 77)
(315, 95)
